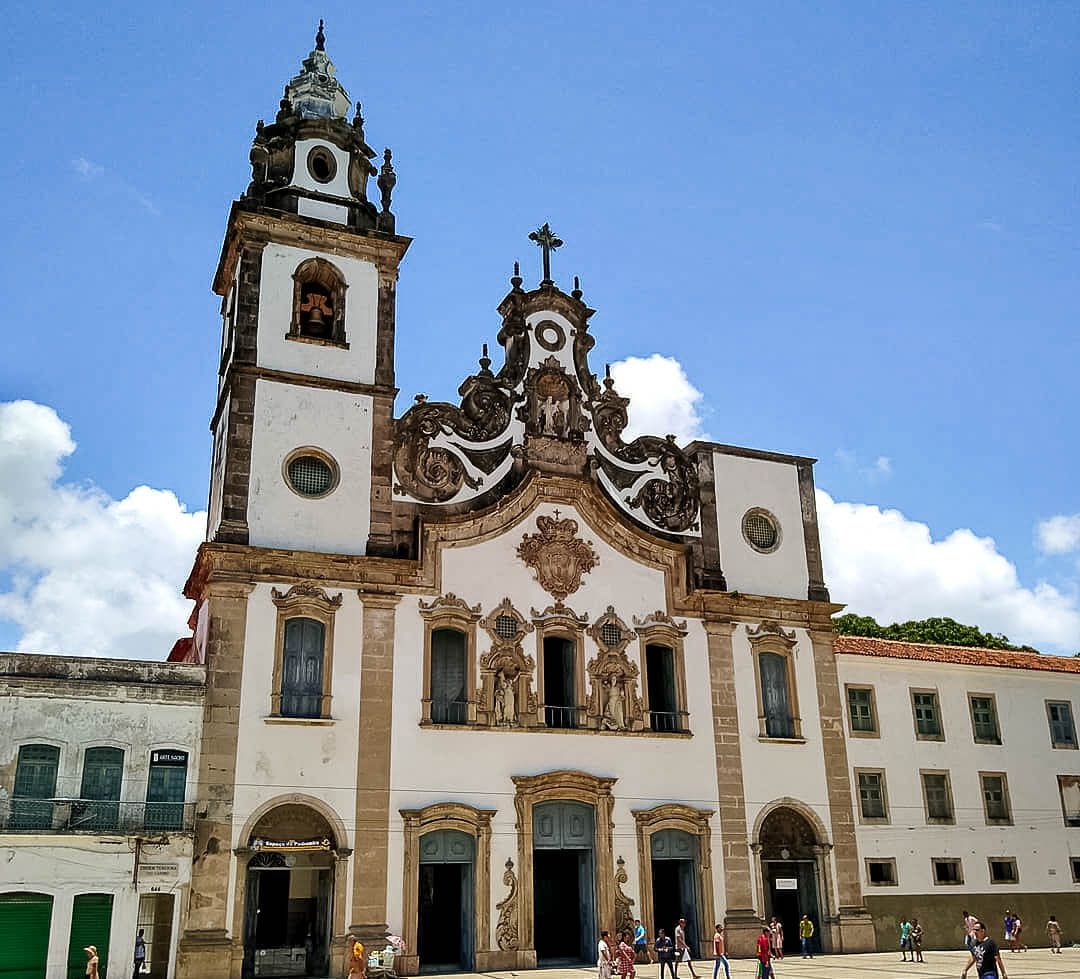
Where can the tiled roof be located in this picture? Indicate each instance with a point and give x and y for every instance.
(967, 655)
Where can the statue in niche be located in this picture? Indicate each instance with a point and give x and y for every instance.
(614, 716)
(505, 700)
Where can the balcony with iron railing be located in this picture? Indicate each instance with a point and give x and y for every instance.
(560, 716)
(669, 721)
(95, 816)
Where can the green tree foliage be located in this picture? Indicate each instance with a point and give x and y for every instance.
(942, 631)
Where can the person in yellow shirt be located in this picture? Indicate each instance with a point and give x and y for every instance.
(806, 935)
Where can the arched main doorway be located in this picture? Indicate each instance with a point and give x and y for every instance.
(788, 850)
(564, 882)
(445, 919)
(289, 894)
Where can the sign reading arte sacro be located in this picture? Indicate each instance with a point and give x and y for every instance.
(290, 846)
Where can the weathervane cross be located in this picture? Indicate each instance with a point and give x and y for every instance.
(545, 238)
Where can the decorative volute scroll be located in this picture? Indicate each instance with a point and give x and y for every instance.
(506, 929)
(544, 410)
(306, 592)
(558, 557)
(774, 632)
(506, 697)
(659, 621)
(614, 703)
(450, 603)
(624, 916)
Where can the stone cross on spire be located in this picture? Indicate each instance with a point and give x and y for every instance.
(545, 238)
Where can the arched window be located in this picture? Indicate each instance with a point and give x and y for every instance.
(448, 675)
(775, 699)
(318, 302)
(35, 786)
(99, 808)
(302, 668)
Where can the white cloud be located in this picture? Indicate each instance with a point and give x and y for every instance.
(662, 399)
(879, 469)
(90, 575)
(880, 563)
(87, 169)
(1059, 535)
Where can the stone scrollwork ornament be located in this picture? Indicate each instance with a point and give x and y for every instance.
(624, 916)
(558, 557)
(506, 930)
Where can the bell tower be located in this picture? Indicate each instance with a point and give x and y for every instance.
(307, 277)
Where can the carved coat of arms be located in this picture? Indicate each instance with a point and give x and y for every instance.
(557, 555)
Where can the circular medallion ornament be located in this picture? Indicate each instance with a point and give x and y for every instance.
(550, 335)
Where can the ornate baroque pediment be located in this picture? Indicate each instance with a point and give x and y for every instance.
(305, 591)
(558, 557)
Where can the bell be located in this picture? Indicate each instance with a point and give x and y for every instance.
(315, 319)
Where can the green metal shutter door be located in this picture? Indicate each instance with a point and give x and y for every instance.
(91, 919)
(27, 916)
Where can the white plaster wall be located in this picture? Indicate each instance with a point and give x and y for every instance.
(1039, 839)
(475, 767)
(323, 210)
(339, 186)
(288, 417)
(275, 318)
(743, 483)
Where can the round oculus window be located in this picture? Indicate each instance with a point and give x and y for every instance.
(322, 164)
(310, 475)
(550, 335)
(761, 530)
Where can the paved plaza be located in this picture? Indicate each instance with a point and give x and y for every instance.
(878, 965)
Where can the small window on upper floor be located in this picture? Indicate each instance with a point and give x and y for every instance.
(984, 720)
(1003, 870)
(318, 303)
(862, 713)
(947, 871)
(995, 793)
(937, 797)
(881, 872)
(924, 705)
(1062, 729)
(1069, 790)
(872, 804)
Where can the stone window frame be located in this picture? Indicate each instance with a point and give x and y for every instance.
(863, 818)
(887, 861)
(955, 861)
(561, 622)
(1074, 866)
(990, 861)
(417, 823)
(759, 511)
(940, 736)
(997, 717)
(950, 820)
(769, 637)
(323, 456)
(1065, 814)
(304, 601)
(660, 629)
(1071, 746)
(326, 273)
(876, 732)
(696, 822)
(450, 612)
(1006, 800)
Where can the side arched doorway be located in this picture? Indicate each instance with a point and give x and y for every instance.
(791, 860)
(288, 887)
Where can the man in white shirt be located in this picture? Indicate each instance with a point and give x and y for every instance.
(682, 950)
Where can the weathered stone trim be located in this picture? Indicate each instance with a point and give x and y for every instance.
(816, 590)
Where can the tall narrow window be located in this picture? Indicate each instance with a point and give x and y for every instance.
(99, 808)
(1069, 790)
(664, 712)
(35, 787)
(872, 796)
(995, 798)
(560, 707)
(775, 700)
(924, 703)
(448, 701)
(984, 723)
(861, 710)
(302, 668)
(938, 797)
(1062, 730)
(165, 789)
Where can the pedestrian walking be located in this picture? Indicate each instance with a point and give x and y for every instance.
(776, 935)
(1053, 932)
(969, 930)
(641, 944)
(682, 949)
(624, 956)
(91, 961)
(140, 954)
(720, 953)
(806, 936)
(985, 956)
(905, 940)
(665, 953)
(357, 962)
(764, 954)
(1018, 928)
(916, 939)
(603, 956)
(1010, 939)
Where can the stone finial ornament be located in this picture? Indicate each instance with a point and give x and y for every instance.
(320, 38)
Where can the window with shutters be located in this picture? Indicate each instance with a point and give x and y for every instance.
(35, 787)
(98, 808)
(1062, 730)
(995, 793)
(774, 667)
(984, 719)
(165, 789)
(776, 702)
(1069, 790)
(303, 653)
(927, 714)
(873, 807)
(862, 711)
(937, 797)
(449, 703)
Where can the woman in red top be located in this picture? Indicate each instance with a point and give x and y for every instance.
(624, 957)
(764, 953)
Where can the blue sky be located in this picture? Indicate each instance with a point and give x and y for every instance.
(853, 226)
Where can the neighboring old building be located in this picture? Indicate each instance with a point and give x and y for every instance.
(98, 759)
(966, 773)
